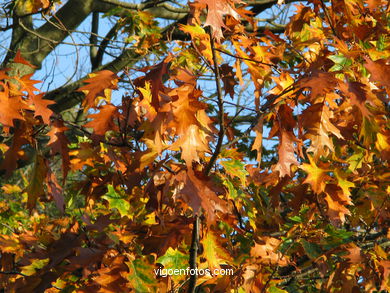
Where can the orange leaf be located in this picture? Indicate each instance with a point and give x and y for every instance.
(99, 81)
(11, 107)
(104, 120)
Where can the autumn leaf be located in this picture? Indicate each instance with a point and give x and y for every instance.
(337, 202)
(11, 107)
(41, 107)
(316, 176)
(317, 120)
(235, 168)
(258, 142)
(228, 79)
(19, 59)
(55, 190)
(141, 276)
(59, 144)
(267, 251)
(214, 253)
(117, 201)
(197, 193)
(215, 12)
(286, 152)
(97, 84)
(104, 120)
(174, 259)
(380, 71)
(35, 188)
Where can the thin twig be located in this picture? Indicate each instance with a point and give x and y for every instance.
(248, 59)
(221, 132)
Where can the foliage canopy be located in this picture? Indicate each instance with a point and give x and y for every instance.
(213, 142)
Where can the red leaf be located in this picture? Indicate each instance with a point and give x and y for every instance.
(19, 59)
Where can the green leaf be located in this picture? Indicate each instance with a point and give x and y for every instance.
(173, 259)
(296, 219)
(313, 250)
(116, 201)
(36, 264)
(274, 289)
(214, 253)
(141, 275)
(355, 161)
(35, 187)
(176, 260)
(340, 62)
(235, 168)
(343, 183)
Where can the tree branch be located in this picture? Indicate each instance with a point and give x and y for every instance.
(193, 254)
(221, 133)
(93, 39)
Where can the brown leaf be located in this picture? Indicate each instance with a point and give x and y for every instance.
(55, 190)
(380, 71)
(317, 120)
(286, 153)
(14, 153)
(59, 144)
(266, 251)
(319, 82)
(228, 79)
(337, 202)
(198, 192)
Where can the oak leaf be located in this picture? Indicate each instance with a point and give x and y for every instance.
(35, 188)
(199, 192)
(216, 10)
(316, 176)
(286, 153)
(317, 120)
(97, 84)
(11, 107)
(337, 202)
(213, 251)
(59, 144)
(267, 251)
(41, 107)
(380, 71)
(104, 120)
(55, 190)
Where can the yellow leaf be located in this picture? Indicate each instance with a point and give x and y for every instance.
(213, 252)
(9, 189)
(315, 176)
